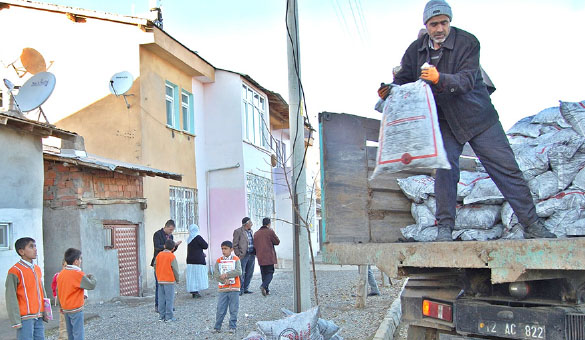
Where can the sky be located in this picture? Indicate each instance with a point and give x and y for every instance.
(532, 50)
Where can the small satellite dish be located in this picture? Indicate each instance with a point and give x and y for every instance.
(121, 82)
(32, 60)
(34, 92)
(9, 84)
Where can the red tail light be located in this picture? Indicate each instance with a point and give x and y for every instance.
(437, 310)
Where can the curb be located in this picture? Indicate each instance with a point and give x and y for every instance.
(391, 320)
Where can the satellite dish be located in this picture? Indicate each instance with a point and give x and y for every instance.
(32, 60)
(121, 82)
(34, 92)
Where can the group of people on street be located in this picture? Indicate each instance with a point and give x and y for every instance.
(233, 270)
(27, 303)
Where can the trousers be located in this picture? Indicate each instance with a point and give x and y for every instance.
(495, 154)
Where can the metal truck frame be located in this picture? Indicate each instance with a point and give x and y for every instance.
(505, 289)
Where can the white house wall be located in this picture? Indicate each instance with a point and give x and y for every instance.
(21, 201)
(218, 127)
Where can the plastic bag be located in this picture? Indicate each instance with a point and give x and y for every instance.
(477, 216)
(544, 185)
(565, 200)
(410, 136)
(479, 235)
(419, 233)
(579, 180)
(417, 188)
(532, 159)
(523, 127)
(467, 180)
(552, 115)
(298, 326)
(254, 336)
(565, 168)
(422, 215)
(327, 328)
(574, 114)
(485, 191)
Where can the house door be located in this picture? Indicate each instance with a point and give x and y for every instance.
(126, 242)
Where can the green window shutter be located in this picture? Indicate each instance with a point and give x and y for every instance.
(177, 122)
(192, 114)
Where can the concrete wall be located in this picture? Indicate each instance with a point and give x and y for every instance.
(21, 201)
(103, 263)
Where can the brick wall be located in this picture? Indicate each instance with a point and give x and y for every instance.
(66, 185)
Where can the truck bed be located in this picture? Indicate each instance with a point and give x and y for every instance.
(362, 217)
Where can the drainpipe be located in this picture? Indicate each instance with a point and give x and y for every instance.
(237, 165)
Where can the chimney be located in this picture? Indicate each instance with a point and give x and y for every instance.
(74, 146)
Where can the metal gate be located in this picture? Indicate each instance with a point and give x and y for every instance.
(126, 242)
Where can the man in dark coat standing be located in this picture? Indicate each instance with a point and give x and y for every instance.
(264, 241)
(159, 238)
(447, 58)
(244, 249)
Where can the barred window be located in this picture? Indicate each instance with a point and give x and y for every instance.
(260, 198)
(184, 207)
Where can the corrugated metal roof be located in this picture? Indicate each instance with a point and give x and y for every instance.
(102, 163)
(18, 121)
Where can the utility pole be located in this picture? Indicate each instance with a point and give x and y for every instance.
(299, 182)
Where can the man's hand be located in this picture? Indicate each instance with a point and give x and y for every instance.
(384, 91)
(431, 74)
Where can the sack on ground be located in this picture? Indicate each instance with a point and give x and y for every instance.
(327, 328)
(298, 326)
(410, 136)
(551, 116)
(523, 127)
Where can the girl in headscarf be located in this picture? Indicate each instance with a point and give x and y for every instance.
(196, 270)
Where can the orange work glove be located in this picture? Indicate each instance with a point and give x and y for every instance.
(384, 91)
(431, 74)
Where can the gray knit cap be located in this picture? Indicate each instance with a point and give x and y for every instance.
(436, 7)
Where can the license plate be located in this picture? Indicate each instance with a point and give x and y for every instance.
(512, 330)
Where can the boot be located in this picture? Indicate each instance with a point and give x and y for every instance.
(444, 234)
(538, 230)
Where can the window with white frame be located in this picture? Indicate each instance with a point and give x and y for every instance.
(280, 148)
(1, 99)
(5, 235)
(170, 103)
(183, 207)
(260, 198)
(187, 111)
(254, 117)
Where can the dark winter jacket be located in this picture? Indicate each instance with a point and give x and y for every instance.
(461, 95)
(195, 250)
(264, 241)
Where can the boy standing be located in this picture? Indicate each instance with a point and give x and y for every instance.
(71, 283)
(167, 273)
(25, 293)
(227, 272)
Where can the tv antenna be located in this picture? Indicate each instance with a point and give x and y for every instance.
(31, 62)
(120, 83)
(33, 93)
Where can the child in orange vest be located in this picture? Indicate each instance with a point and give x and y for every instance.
(62, 327)
(71, 284)
(227, 272)
(167, 273)
(25, 293)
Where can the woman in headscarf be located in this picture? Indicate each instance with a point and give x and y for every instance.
(197, 279)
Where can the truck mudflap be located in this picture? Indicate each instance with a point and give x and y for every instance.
(480, 318)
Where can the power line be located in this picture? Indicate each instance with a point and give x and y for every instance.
(355, 21)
